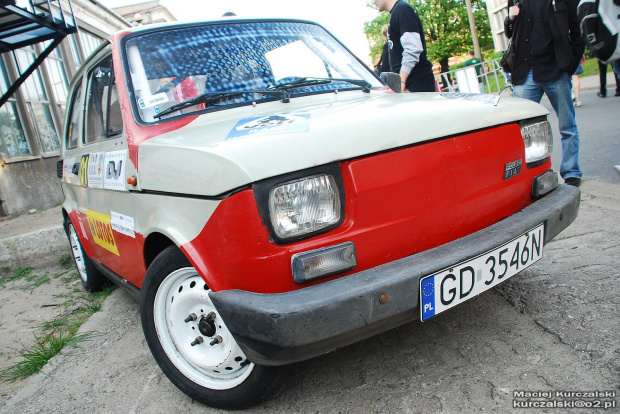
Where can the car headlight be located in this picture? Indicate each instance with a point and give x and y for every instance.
(538, 140)
(304, 206)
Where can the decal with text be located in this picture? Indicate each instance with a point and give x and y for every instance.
(123, 224)
(114, 170)
(95, 170)
(271, 125)
(101, 229)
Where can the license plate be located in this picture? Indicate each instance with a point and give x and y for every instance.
(463, 281)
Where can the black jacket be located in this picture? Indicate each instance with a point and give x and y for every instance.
(567, 42)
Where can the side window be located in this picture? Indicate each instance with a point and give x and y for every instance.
(103, 111)
(73, 132)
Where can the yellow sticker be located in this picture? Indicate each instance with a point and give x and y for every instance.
(84, 170)
(101, 229)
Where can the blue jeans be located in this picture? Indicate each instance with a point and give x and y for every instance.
(558, 91)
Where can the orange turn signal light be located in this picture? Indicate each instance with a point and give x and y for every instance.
(132, 180)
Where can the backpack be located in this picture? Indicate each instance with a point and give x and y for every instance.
(600, 24)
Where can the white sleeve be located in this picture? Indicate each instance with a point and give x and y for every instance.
(412, 49)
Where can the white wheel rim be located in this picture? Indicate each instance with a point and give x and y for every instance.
(221, 366)
(78, 256)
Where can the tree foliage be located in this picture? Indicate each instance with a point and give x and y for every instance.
(446, 27)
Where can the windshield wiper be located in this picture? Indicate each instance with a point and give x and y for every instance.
(312, 81)
(214, 97)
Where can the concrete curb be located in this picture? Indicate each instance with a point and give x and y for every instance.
(37, 248)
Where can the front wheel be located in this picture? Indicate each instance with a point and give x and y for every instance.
(190, 341)
(92, 279)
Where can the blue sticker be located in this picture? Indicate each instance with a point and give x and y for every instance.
(276, 124)
(428, 298)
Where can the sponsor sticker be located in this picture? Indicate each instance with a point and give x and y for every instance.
(80, 221)
(153, 100)
(95, 170)
(67, 166)
(114, 174)
(123, 224)
(84, 170)
(276, 124)
(479, 97)
(101, 230)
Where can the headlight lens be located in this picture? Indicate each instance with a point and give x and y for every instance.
(304, 206)
(538, 140)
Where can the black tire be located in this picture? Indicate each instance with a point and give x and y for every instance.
(216, 375)
(91, 278)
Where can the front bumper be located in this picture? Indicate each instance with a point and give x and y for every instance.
(278, 329)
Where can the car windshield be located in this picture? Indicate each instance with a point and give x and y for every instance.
(182, 70)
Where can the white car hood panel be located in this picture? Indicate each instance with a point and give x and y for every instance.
(210, 157)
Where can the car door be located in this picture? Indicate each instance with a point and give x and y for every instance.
(97, 144)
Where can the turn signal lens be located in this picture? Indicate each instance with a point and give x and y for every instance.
(323, 262)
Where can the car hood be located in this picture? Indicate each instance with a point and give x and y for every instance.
(221, 151)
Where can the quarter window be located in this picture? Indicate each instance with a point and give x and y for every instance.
(73, 130)
(103, 112)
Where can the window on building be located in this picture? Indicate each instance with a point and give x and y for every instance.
(13, 141)
(37, 102)
(89, 42)
(103, 112)
(75, 50)
(58, 77)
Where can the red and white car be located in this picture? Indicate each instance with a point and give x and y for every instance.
(270, 199)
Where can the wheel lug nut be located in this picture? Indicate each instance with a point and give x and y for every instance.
(197, 341)
(191, 317)
(210, 317)
(215, 340)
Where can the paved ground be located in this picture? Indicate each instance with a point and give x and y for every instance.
(553, 328)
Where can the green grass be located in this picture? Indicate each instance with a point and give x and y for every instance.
(60, 332)
(40, 280)
(65, 260)
(34, 358)
(21, 273)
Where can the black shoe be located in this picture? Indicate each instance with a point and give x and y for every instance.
(574, 181)
(617, 93)
(601, 94)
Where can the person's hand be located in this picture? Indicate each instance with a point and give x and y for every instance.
(513, 12)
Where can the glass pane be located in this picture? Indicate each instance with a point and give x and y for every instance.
(169, 66)
(33, 86)
(58, 78)
(100, 81)
(44, 125)
(112, 107)
(12, 138)
(73, 131)
(89, 42)
(4, 78)
(75, 50)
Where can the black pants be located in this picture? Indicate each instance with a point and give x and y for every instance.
(602, 69)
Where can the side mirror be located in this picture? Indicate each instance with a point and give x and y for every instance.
(392, 80)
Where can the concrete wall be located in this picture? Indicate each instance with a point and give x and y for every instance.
(29, 184)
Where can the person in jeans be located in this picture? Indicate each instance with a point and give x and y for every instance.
(602, 69)
(548, 50)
